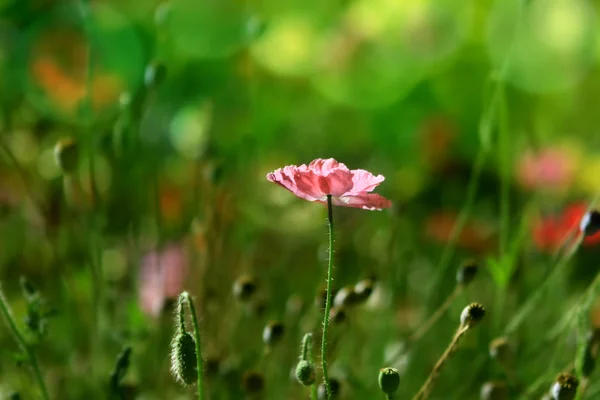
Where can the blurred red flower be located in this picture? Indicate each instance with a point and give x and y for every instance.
(476, 236)
(348, 188)
(162, 276)
(553, 231)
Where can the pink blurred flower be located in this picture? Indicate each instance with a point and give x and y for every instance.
(162, 277)
(550, 168)
(348, 188)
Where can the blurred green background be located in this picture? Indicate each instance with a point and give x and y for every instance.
(482, 115)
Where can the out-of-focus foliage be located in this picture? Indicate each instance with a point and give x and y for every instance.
(480, 114)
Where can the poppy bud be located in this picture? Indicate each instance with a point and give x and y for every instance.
(500, 350)
(253, 382)
(243, 288)
(565, 387)
(183, 358)
(466, 273)
(389, 380)
(494, 391)
(363, 289)
(155, 75)
(345, 297)
(305, 372)
(273, 333)
(334, 387)
(590, 223)
(66, 155)
(472, 315)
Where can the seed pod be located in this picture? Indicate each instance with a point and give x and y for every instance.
(363, 289)
(273, 333)
(66, 155)
(389, 380)
(337, 315)
(334, 387)
(500, 350)
(494, 391)
(466, 273)
(472, 315)
(183, 358)
(253, 382)
(244, 287)
(305, 372)
(345, 297)
(565, 387)
(590, 223)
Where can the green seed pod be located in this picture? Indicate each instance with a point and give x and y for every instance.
(183, 358)
(334, 387)
(467, 272)
(345, 297)
(472, 315)
(500, 350)
(590, 223)
(273, 333)
(244, 287)
(565, 387)
(363, 289)
(389, 380)
(305, 372)
(66, 155)
(494, 391)
(253, 382)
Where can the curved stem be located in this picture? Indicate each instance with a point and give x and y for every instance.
(423, 393)
(327, 299)
(199, 359)
(313, 388)
(23, 345)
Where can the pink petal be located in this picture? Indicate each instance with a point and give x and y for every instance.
(367, 201)
(364, 181)
(336, 178)
(299, 180)
(325, 167)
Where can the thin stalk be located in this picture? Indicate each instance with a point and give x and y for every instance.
(423, 393)
(199, 359)
(10, 320)
(327, 299)
(424, 328)
(307, 352)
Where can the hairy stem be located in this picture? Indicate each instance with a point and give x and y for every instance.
(327, 299)
(31, 358)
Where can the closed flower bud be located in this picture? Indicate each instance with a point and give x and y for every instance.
(565, 387)
(494, 391)
(253, 382)
(500, 350)
(334, 387)
(345, 297)
(466, 273)
(472, 315)
(244, 287)
(389, 380)
(66, 155)
(590, 223)
(273, 333)
(305, 372)
(363, 289)
(155, 74)
(183, 358)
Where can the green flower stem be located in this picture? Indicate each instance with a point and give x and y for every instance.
(327, 299)
(31, 358)
(308, 352)
(199, 359)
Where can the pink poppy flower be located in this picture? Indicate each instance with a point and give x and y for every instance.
(162, 277)
(348, 188)
(550, 168)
